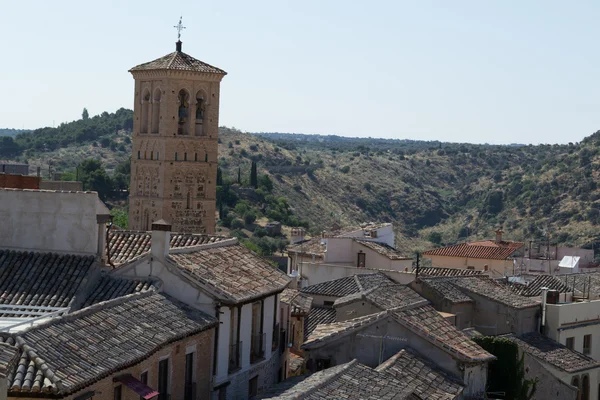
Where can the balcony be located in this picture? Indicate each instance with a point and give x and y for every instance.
(257, 347)
(235, 357)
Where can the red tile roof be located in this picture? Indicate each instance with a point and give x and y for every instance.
(486, 249)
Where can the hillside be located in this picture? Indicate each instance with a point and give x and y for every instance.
(433, 192)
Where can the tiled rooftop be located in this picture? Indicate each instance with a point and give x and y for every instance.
(309, 247)
(300, 303)
(555, 354)
(428, 381)
(351, 381)
(178, 61)
(125, 246)
(383, 249)
(491, 289)
(446, 289)
(430, 325)
(486, 249)
(439, 271)
(385, 296)
(42, 279)
(337, 329)
(110, 287)
(98, 341)
(317, 316)
(533, 288)
(348, 285)
(232, 272)
(8, 357)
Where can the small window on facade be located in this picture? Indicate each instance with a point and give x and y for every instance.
(117, 392)
(139, 153)
(189, 377)
(184, 156)
(361, 260)
(195, 156)
(587, 344)
(163, 380)
(175, 156)
(570, 343)
(144, 380)
(144, 155)
(253, 387)
(152, 155)
(157, 155)
(206, 158)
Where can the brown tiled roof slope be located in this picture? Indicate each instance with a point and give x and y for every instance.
(99, 341)
(489, 288)
(351, 381)
(430, 325)
(347, 285)
(42, 279)
(446, 289)
(308, 247)
(555, 354)
(533, 288)
(487, 249)
(317, 316)
(125, 246)
(337, 329)
(110, 287)
(385, 296)
(383, 249)
(178, 61)
(439, 271)
(429, 381)
(300, 303)
(234, 273)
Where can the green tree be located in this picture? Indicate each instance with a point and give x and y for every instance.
(253, 176)
(239, 176)
(265, 183)
(85, 115)
(219, 177)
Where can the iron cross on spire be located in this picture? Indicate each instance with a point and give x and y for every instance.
(179, 28)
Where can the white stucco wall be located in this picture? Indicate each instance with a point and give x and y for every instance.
(575, 320)
(223, 344)
(40, 220)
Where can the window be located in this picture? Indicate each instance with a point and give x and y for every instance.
(570, 343)
(117, 392)
(175, 156)
(189, 377)
(183, 100)
(163, 379)
(157, 155)
(139, 154)
(195, 156)
(206, 158)
(144, 380)
(145, 111)
(152, 155)
(184, 156)
(155, 110)
(587, 344)
(361, 260)
(585, 390)
(253, 387)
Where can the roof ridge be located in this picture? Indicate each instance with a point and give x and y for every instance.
(360, 286)
(328, 379)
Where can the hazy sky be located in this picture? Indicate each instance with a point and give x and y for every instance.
(462, 71)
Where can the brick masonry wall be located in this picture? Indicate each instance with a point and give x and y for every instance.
(19, 181)
(176, 352)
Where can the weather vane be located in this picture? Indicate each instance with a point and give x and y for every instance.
(179, 28)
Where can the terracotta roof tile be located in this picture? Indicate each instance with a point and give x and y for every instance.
(300, 302)
(429, 324)
(483, 286)
(429, 381)
(109, 336)
(317, 316)
(438, 271)
(351, 381)
(336, 329)
(42, 279)
(233, 273)
(547, 350)
(110, 287)
(487, 249)
(125, 246)
(348, 285)
(383, 249)
(533, 288)
(178, 61)
(8, 357)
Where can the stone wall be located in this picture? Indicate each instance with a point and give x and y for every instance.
(266, 371)
(549, 386)
(19, 181)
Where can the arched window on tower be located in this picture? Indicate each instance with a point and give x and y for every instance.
(195, 156)
(156, 110)
(183, 112)
(189, 200)
(184, 156)
(145, 111)
(585, 389)
(206, 157)
(200, 112)
(139, 154)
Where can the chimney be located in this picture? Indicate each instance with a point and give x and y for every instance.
(499, 233)
(161, 237)
(178, 46)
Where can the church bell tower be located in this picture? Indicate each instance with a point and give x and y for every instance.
(175, 143)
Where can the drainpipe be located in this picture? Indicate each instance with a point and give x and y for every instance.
(544, 299)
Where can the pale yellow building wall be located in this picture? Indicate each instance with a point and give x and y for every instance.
(497, 267)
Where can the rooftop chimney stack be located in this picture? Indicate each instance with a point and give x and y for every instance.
(161, 238)
(499, 233)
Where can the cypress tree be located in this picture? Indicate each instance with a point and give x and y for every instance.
(239, 175)
(219, 177)
(253, 176)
